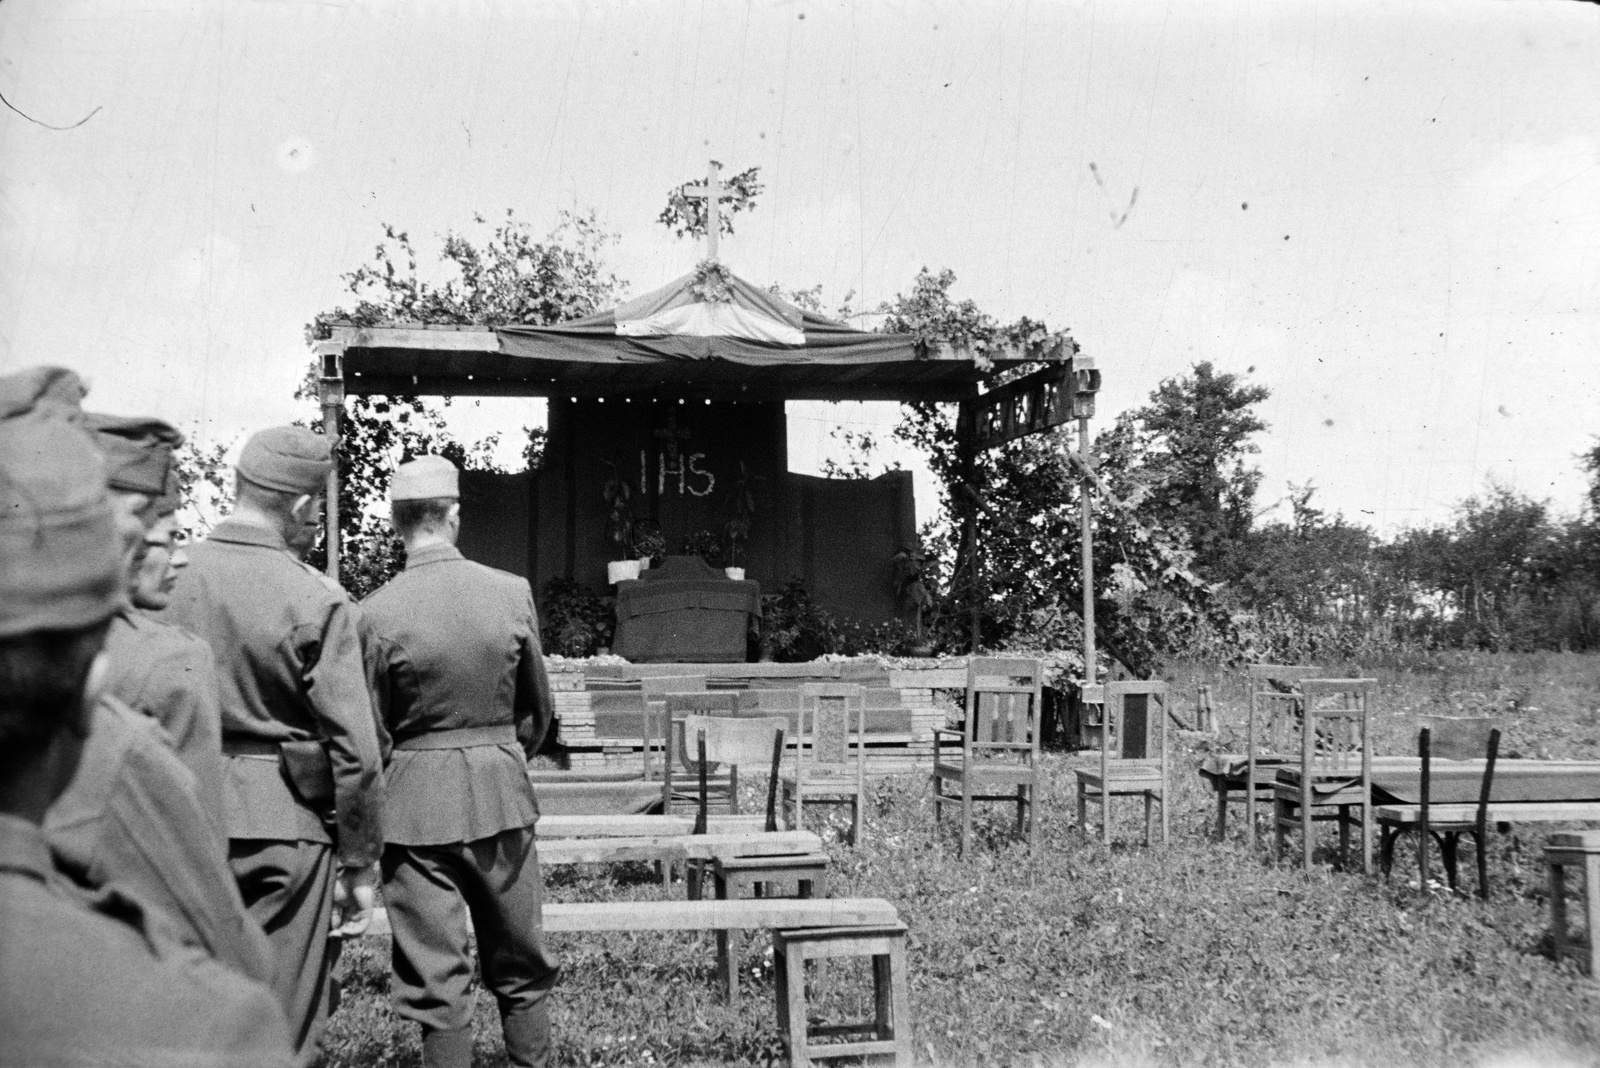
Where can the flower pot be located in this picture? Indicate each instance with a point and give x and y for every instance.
(735, 573)
(622, 570)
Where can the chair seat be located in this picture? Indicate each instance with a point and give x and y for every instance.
(995, 773)
(779, 863)
(824, 786)
(1344, 795)
(1122, 783)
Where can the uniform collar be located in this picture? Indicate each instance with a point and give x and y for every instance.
(22, 848)
(432, 554)
(240, 533)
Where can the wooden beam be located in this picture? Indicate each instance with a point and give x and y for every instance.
(638, 825)
(676, 847)
(734, 914)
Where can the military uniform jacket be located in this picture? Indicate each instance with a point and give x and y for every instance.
(170, 675)
(290, 669)
(130, 817)
(92, 979)
(458, 651)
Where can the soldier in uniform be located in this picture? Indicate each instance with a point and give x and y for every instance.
(84, 978)
(463, 691)
(132, 816)
(159, 669)
(297, 722)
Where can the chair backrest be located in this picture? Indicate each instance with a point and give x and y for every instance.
(736, 742)
(1457, 737)
(1003, 707)
(654, 689)
(833, 726)
(677, 706)
(1276, 704)
(1337, 730)
(1136, 715)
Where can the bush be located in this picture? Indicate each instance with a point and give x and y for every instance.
(575, 621)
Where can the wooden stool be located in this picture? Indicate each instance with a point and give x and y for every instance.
(888, 1034)
(1575, 849)
(810, 870)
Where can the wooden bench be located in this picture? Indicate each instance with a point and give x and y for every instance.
(1405, 817)
(745, 913)
(636, 826)
(674, 848)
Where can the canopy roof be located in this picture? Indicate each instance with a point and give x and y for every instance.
(708, 334)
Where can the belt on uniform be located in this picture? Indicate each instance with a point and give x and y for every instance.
(256, 747)
(463, 738)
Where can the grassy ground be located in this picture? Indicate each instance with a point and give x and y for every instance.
(1199, 953)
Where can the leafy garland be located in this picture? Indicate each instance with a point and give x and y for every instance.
(710, 285)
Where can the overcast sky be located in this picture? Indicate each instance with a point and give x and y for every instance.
(1390, 212)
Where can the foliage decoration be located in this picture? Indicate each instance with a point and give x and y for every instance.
(686, 216)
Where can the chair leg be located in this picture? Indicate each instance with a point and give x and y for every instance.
(1021, 800)
(856, 805)
(1305, 828)
(1448, 848)
(1344, 837)
(966, 816)
(793, 993)
(1033, 815)
(1149, 817)
(1105, 814)
(1558, 909)
(938, 801)
(1386, 840)
(1591, 902)
(900, 1004)
(1222, 810)
(1480, 843)
(1083, 810)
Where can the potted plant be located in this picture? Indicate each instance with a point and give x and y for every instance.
(743, 510)
(648, 542)
(619, 527)
(705, 544)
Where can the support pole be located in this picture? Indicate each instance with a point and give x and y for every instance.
(1085, 516)
(330, 391)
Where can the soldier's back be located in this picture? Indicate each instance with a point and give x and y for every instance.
(165, 672)
(94, 980)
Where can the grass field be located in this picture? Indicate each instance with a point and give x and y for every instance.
(1199, 953)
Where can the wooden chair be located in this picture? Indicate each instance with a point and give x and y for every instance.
(830, 761)
(999, 744)
(1335, 767)
(664, 728)
(1136, 714)
(1272, 737)
(1449, 738)
(654, 689)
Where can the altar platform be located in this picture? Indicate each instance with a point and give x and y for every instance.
(600, 704)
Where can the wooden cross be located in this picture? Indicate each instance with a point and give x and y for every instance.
(672, 436)
(711, 191)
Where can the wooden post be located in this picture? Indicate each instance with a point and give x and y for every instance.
(330, 391)
(1085, 515)
(967, 447)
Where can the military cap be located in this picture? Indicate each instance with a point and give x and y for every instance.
(60, 562)
(171, 498)
(287, 458)
(424, 478)
(138, 451)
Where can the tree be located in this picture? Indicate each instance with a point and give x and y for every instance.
(1200, 426)
(510, 276)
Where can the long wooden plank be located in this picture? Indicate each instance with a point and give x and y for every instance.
(637, 826)
(746, 913)
(676, 847)
(1527, 812)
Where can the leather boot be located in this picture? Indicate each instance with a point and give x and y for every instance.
(447, 1049)
(527, 1034)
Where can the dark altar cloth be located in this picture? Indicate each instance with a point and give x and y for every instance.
(685, 612)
